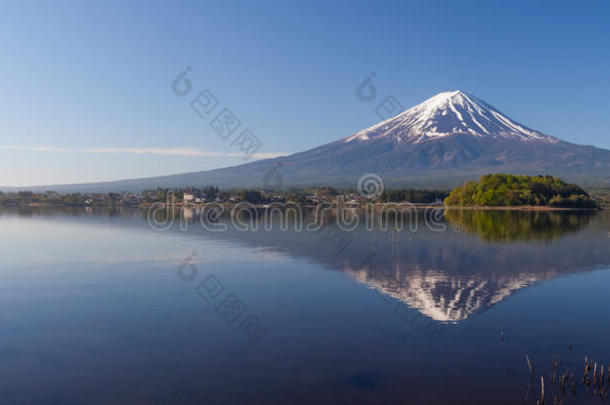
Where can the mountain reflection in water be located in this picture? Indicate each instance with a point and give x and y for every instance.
(449, 275)
(422, 314)
(468, 262)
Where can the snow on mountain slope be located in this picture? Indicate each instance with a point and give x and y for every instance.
(442, 142)
(449, 298)
(447, 114)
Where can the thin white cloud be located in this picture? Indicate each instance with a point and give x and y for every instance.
(139, 151)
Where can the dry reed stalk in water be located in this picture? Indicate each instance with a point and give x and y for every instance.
(529, 365)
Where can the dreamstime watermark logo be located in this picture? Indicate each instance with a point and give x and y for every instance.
(434, 216)
(247, 217)
(160, 216)
(348, 212)
(370, 185)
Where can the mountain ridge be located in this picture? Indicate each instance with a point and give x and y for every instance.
(440, 143)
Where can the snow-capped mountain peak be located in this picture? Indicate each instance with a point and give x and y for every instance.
(447, 114)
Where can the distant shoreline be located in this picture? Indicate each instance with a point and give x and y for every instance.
(269, 205)
(521, 208)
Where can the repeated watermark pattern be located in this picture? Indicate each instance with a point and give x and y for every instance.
(285, 217)
(228, 305)
(366, 92)
(225, 123)
(246, 217)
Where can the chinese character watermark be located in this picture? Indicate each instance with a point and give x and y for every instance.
(366, 92)
(225, 124)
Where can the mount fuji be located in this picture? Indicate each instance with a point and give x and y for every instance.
(447, 139)
(447, 114)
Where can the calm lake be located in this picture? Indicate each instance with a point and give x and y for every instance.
(96, 306)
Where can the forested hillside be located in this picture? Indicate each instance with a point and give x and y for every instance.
(496, 190)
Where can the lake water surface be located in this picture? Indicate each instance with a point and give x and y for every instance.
(98, 307)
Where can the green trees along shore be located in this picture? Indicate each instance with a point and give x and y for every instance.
(506, 190)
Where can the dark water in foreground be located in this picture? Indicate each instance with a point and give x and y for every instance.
(96, 307)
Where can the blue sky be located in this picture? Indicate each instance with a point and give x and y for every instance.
(86, 88)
